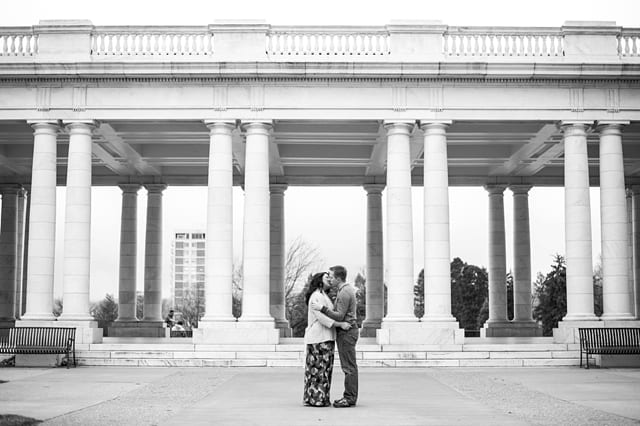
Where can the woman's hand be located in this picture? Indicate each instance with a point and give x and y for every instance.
(343, 325)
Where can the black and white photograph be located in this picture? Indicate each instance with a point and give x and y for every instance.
(349, 213)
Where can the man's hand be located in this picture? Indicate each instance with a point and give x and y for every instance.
(344, 325)
(315, 305)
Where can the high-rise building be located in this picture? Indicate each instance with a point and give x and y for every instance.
(187, 271)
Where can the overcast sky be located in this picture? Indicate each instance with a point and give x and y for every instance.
(338, 234)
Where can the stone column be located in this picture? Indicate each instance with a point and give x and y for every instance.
(128, 253)
(42, 224)
(617, 300)
(277, 303)
(219, 256)
(22, 205)
(630, 255)
(8, 253)
(375, 267)
(255, 302)
(77, 232)
(635, 190)
(153, 256)
(400, 273)
(437, 252)
(577, 214)
(497, 263)
(523, 322)
(25, 250)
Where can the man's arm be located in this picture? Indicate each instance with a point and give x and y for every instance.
(342, 306)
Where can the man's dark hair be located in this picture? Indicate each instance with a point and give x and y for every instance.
(339, 272)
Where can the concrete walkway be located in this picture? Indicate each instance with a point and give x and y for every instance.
(272, 396)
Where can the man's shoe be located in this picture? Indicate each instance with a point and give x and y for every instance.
(342, 403)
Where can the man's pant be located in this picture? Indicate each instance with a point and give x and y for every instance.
(347, 350)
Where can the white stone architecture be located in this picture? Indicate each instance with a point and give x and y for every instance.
(269, 107)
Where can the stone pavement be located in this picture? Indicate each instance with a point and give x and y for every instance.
(272, 396)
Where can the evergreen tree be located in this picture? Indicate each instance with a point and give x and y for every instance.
(360, 283)
(551, 295)
(469, 290)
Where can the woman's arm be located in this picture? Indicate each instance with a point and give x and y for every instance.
(322, 318)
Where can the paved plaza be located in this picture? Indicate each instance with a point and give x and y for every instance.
(272, 396)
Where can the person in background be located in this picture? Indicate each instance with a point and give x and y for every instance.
(169, 320)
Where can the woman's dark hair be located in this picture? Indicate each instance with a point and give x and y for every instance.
(314, 284)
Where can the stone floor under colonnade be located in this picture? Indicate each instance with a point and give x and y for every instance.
(266, 108)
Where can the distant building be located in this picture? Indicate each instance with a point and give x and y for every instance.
(187, 269)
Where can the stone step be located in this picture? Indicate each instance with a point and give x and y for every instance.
(293, 355)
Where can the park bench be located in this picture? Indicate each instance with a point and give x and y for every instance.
(39, 340)
(608, 341)
(185, 333)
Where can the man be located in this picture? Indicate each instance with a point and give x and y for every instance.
(345, 310)
(169, 320)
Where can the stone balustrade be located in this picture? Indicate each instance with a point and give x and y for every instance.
(464, 41)
(629, 42)
(143, 41)
(254, 41)
(328, 41)
(19, 41)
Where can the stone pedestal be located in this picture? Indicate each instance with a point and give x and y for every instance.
(138, 329)
(86, 331)
(236, 333)
(511, 329)
(420, 333)
(567, 331)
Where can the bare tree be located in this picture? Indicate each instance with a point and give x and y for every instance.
(302, 259)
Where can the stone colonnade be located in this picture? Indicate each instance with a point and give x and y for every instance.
(263, 319)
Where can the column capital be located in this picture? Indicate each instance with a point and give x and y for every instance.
(80, 126)
(399, 127)
(155, 188)
(569, 126)
(130, 188)
(493, 189)
(434, 126)
(611, 127)
(277, 188)
(220, 126)
(45, 126)
(257, 126)
(374, 188)
(520, 189)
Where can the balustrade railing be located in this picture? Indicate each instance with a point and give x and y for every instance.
(18, 42)
(503, 42)
(328, 42)
(629, 42)
(151, 41)
(321, 42)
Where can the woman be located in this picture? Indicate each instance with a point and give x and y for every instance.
(319, 336)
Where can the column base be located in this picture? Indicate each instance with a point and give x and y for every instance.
(7, 323)
(285, 330)
(420, 333)
(370, 328)
(567, 331)
(86, 331)
(236, 333)
(138, 329)
(511, 329)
